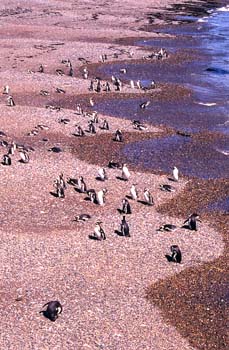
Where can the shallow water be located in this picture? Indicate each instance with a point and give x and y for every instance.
(207, 111)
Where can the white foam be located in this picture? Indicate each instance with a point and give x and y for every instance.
(208, 104)
(202, 20)
(224, 9)
(223, 151)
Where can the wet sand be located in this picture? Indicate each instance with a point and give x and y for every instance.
(45, 254)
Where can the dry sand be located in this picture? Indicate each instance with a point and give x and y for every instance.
(45, 254)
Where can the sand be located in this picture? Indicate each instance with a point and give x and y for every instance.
(45, 254)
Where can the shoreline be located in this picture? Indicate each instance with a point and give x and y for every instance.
(47, 256)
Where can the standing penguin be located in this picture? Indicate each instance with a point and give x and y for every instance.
(6, 160)
(148, 197)
(192, 221)
(98, 233)
(118, 136)
(133, 192)
(102, 174)
(176, 255)
(125, 228)
(126, 209)
(24, 157)
(125, 172)
(54, 308)
(175, 174)
(81, 185)
(101, 196)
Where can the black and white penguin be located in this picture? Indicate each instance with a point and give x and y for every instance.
(6, 160)
(148, 197)
(102, 174)
(118, 136)
(126, 209)
(53, 310)
(82, 187)
(192, 221)
(134, 192)
(99, 232)
(125, 172)
(24, 157)
(125, 231)
(176, 255)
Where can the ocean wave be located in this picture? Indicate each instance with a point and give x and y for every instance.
(224, 9)
(208, 104)
(223, 151)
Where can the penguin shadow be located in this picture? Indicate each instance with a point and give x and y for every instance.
(54, 194)
(22, 161)
(118, 233)
(121, 178)
(128, 196)
(94, 238)
(144, 203)
(168, 257)
(186, 227)
(78, 190)
(171, 179)
(99, 179)
(77, 135)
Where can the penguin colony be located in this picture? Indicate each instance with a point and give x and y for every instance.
(15, 151)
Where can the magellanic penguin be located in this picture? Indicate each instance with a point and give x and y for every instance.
(99, 233)
(53, 310)
(101, 196)
(125, 231)
(102, 174)
(176, 255)
(148, 197)
(133, 192)
(125, 172)
(175, 173)
(126, 209)
(192, 221)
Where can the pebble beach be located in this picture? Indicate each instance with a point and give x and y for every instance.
(120, 293)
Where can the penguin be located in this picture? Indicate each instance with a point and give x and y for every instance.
(175, 174)
(53, 310)
(138, 125)
(81, 185)
(91, 87)
(82, 217)
(101, 196)
(99, 233)
(125, 231)
(105, 125)
(176, 255)
(113, 165)
(123, 70)
(62, 181)
(79, 109)
(148, 197)
(133, 192)
(85, 73)
(126, 209)
(98, 87)
(6, 90)
(24, 157)
(71, 72)
(60, 91)
(59, 72)
(95, 118)
(125, 173)
(59, 189)
(41, 69)
(139, 85)
(144, 104)
(132, 84)
(192, 221)
(153, 84)
(102, 174)
(118, 136)
(107, 87)
(167, 227)
(91, 127)
(167, 188)
(12, 148)
(91, 102)
(79, 131)
(44, 93)
(10, 101)
(92, 195)
(6, 160)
